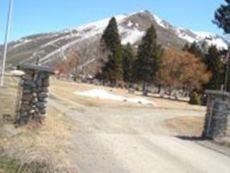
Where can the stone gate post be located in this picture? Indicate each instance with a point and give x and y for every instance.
(34, 94)
(217, 120)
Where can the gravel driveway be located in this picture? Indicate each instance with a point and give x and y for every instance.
(135, 140)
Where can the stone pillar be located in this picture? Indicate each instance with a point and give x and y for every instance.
(217, 120)
(34, 94)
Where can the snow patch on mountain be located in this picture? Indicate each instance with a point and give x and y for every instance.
(211, 39)
(203, 35)
(131, 35)
(21, 42)
(194, 36)
(159, 21)
(130, 24)
(101, 24)
(183, 35)
(218, 42)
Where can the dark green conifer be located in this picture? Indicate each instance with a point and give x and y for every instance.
(215, 65)
(148, 59)
(222, 17)
(194, 49)
(127, 63)
(112, 69)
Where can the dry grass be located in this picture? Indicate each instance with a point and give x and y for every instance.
(8, 95)
(42, 149)
(186, 125)
(66, 89)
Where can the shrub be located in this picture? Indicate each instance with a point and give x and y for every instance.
(194, 98)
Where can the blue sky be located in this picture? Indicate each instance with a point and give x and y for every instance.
(36, 16)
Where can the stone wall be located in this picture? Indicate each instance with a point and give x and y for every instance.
(217, 120)
(34, 95)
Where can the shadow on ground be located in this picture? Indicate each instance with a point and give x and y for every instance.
(192, 138)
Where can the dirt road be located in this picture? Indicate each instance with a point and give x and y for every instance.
(135, 139)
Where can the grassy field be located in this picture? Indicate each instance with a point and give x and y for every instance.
(66, 90)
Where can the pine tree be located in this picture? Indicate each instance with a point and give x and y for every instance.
(112, 69)
(194, 49)
(222, 17)
(215, 65)
(186, 47)
(222, 20)
(148, 59)
(127, 63)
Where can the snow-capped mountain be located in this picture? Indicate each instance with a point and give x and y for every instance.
(52, 47)
(194, 36)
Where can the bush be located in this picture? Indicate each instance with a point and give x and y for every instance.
(194, 98)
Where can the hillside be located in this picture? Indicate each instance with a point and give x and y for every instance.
(52, 47)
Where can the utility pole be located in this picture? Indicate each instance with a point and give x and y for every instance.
(8, 26)
(227, 70)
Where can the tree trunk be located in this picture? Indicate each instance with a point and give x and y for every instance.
(144, 89)
(159, 89)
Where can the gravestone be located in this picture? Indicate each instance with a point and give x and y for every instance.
(34, 94)
(217, 120)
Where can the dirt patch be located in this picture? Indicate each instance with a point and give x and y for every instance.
(186, 125)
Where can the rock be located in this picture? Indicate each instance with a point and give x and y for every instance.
(39, 83)
(25, 102)
(35, 100)
(45, 100)
(45, 83)
(29, 83)
(26, 91)
(43, 95)
(27, 97)
(41, 105)
(43, 111)
(34, 94)
(44, 89)
(27, 77)
(32, 111)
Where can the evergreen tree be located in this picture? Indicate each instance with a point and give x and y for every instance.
(194, 49)
(204, 46)
(148, 59)
(112, 69)
(186, 47)
(127, 63)
(215, 65)
(222, 17)
(222, 20)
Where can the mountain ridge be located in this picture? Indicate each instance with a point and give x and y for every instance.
(51, 47)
